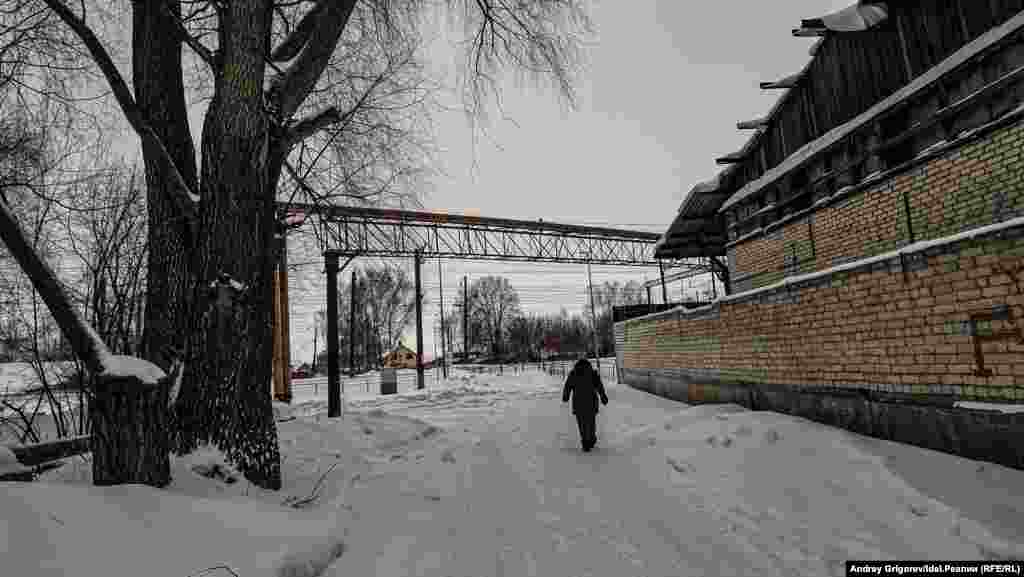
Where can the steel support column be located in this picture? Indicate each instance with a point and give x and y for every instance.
(352, 327)
(664, 288)
(333, 378)
(465, 319)
(419, 323)
(444, 335)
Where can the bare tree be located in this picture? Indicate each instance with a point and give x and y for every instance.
(390, 298)
(127, 389)
(607, 296)
(270, 65)
(105, 232)
(494, 302)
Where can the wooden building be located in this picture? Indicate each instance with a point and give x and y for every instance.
(870, 233)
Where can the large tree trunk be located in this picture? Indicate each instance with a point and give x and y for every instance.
(157, 76)
(234, 338)
(225, 337)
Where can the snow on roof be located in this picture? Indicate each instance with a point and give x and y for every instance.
(813, 50)
(856, 18)
(809, 150)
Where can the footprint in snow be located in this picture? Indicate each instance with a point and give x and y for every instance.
(919, 510)
(716, 442)
(772, 436)
(429, 431)
(448, 456)
(680, 466)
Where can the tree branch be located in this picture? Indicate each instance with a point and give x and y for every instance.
(202, 51)
(290, 89)
(84, 341)
(299, 36)
(186, 198)
(310, 125)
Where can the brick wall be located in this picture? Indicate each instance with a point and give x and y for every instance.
(901, 324)
(977, 184)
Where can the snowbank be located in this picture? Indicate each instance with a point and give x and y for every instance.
(482, 475)
(59, 529)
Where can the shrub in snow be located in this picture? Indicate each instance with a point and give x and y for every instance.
(448, 456)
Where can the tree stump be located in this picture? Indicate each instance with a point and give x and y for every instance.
(130, 439)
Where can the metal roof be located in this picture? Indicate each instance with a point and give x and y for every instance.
(697, 229)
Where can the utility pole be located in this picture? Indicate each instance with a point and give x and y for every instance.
(352, 326)
(664, 290)
(419, 324)
(444, 349)
(593, 316)
(316, 333)
(465, 319)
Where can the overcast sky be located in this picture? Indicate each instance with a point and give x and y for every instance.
(665, 83)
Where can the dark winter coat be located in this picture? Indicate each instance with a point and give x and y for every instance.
(585, 386)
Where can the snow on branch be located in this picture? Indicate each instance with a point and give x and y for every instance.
(291, 46)
(312, 124)
(224, 280)
(205, 53)
(86, 344)
(290, 88)
(329, 116)
(133, 368)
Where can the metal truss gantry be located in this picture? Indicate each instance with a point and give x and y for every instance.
(392, 232)
(358, 231)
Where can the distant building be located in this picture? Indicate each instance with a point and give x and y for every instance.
(401, 357)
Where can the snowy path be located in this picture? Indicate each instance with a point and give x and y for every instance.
(671, 490)
(482, 476)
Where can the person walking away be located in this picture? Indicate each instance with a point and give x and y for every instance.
(585, 386)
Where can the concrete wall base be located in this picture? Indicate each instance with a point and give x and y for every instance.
(933, 423)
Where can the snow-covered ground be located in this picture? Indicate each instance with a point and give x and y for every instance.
(483, 476)
(17, 377)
